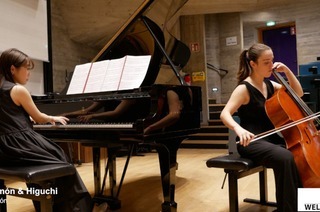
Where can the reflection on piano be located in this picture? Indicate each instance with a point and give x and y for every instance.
(139, 36)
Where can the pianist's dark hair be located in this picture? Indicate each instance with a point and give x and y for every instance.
(16, 58)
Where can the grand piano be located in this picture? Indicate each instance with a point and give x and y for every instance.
(140, 35)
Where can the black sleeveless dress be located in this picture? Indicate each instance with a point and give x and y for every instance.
(21, 145)
(269, 151)
(253, 116)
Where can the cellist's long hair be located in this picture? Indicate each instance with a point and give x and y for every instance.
(252, 54)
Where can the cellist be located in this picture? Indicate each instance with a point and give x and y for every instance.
(248, 100)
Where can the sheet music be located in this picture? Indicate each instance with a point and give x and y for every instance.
(96, 76)
(79, 78)
(113, 75)
(134, 71)
(109, 75)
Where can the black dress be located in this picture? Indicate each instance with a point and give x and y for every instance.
(21, 145)
(269, 151)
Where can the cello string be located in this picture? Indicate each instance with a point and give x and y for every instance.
(306, 109)
(293, 94)
(302, 104)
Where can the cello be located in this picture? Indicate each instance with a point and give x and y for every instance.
(302, 139)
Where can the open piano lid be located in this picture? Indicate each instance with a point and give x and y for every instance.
(134, 38)
(147, 32)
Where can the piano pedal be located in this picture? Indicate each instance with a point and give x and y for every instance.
(142, 148)
(113, 202)
(122, 152)
(103, 207)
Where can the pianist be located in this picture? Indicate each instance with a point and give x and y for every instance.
(20, 144)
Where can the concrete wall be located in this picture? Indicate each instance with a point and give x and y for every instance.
(212, 34)
(305, 14)
(193, 32)
(230, 26)
(66, 54)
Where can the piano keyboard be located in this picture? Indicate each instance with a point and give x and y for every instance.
(85, 126)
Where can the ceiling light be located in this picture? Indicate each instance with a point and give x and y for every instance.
(271, 23)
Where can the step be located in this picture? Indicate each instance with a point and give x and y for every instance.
(212, 101)
(209, 136)
(213, 129)
(215, 122)
(216, 107)
(214, 144)
(214, 115)
(188, 141)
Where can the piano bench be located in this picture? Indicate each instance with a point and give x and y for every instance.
(237, 167)
(42, 176)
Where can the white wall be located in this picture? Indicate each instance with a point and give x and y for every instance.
(23, 25)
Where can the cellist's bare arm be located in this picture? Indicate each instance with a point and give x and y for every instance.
(239, 96)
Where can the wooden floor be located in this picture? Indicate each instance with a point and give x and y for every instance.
(198, 188)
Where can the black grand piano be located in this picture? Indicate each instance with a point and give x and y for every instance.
(140, 35)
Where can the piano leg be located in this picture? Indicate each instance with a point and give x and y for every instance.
(112, 199)
(96, 170)
(167, 152)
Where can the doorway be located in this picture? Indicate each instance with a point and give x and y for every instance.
(282, 40)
